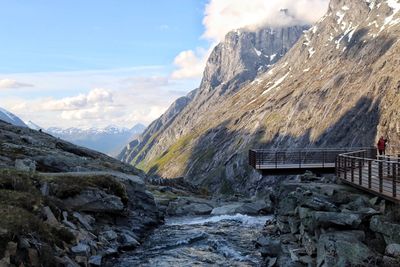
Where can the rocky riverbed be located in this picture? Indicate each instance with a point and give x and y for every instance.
(223, 240)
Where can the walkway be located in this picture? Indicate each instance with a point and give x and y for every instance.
(378, 176)
(293, 161)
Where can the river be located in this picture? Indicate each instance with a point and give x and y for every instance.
(226, 240)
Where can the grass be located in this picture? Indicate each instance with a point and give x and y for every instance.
(177, 152)
(20, 206)
(70, 186)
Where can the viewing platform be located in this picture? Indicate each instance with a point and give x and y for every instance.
(359, 167)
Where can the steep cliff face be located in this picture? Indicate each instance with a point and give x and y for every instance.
(137, 149)
(338, 86)
(234, 62)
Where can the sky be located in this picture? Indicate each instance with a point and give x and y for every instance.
(92, 63)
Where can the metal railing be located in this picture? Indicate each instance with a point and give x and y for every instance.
(300, 158)
(379, 175)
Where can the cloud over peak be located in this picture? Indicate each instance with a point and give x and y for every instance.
(222, 16)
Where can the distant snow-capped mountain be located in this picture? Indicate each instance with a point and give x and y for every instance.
(108, 140)
(11, 118)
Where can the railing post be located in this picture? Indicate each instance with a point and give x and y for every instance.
(394, 181)
(380, 175)
(352, 170)
(337, 167)
(369, 174)
(299, 159)
(360, 171)
(345, 168)
(276, 160)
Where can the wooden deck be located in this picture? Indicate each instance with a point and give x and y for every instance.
(294, 161)
(377, 176)
(359, 167)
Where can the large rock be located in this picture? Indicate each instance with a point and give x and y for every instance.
(393, 250)
(226, 209)
(328, 219)
(390, 230)
(27, 165)
(189, 206)
(95, 200)
(268, 247)
(343, 249)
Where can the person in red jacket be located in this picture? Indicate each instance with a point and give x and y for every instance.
(382, 145)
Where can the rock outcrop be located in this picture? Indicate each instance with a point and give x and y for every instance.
(327, 224)
(63, 205)
(338, 86)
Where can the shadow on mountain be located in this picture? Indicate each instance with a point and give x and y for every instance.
(368, 50)
(219, 161)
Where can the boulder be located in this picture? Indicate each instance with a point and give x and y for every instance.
(343, 248)
(318, 203)
(268, 247)
(26, 165)
(227, 209)
(390, 262)
(109, 235)
(81, 249)
(188, 206)
(393, 250)
(95, 260)
(254, 208)
(389, 230)
(85, 220)
(200, 208)
(95, 200)
(50, 218)
(128, 241)
(328, 219)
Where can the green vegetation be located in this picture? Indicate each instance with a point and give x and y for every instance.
(178, 152)
(20, 206)
(69, 186)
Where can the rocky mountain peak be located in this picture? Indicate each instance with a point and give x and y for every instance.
(244, 53)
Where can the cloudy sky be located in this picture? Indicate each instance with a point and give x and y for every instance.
(73, 63)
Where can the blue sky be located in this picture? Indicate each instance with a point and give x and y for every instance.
(92, 63)
(65, 35)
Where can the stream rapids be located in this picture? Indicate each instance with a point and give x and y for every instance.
(225, 240)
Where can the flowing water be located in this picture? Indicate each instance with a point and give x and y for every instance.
(226, 240)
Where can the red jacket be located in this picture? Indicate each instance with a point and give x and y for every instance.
(382, 144)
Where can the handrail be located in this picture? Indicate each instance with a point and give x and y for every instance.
(379, 175)
(310, 149)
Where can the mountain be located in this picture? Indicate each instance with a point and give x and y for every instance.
(338, 86)
(11, 118)
(233, 63)
(109, 140)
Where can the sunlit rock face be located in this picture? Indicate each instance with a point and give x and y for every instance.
(337, 86)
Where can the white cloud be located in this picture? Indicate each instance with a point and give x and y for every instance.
(94, 97)
(12, 84)
(60, 100)
(222, 16)
(190, 64)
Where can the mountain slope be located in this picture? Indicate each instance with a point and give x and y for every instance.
(11, 118)
(234, 62)
(338, 86)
